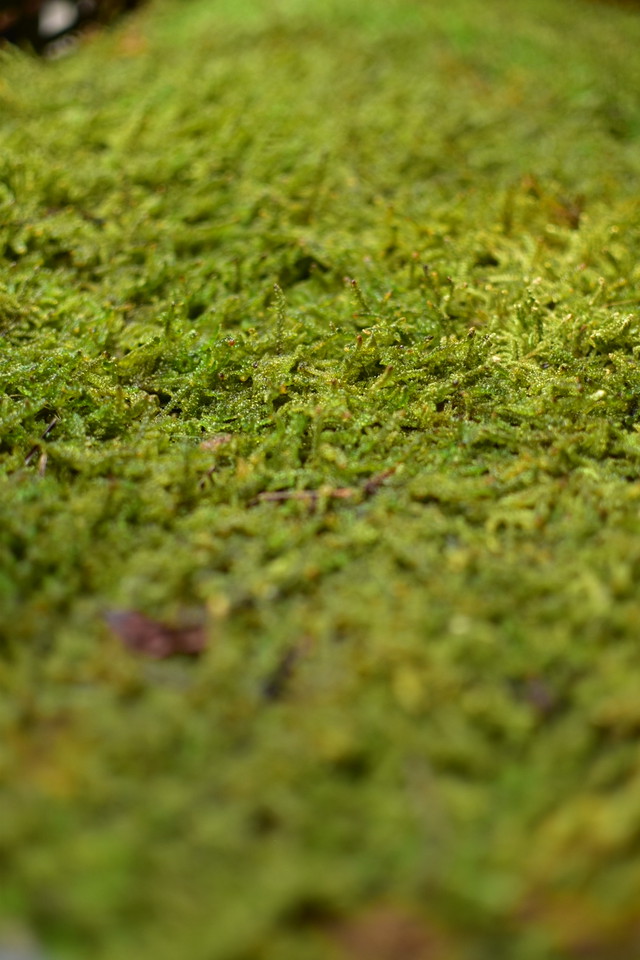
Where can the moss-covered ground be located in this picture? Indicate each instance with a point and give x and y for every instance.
(319, 329)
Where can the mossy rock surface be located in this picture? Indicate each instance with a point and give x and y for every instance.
(319, 343)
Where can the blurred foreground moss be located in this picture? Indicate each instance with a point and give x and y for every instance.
(319, 322)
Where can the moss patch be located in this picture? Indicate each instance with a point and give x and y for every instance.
(319, 326)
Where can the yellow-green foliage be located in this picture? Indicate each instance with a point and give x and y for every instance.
(251, 247)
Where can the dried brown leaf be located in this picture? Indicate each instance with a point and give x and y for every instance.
(155, 639)
(391, 933)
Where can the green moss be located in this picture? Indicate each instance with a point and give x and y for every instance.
(385, 259)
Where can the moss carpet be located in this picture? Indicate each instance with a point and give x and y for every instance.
(319, 346)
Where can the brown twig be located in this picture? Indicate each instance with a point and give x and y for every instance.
(35, 449)
(309, 496)
(371, 486)
(275, 686)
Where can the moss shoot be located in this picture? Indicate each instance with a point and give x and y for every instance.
(319, 333)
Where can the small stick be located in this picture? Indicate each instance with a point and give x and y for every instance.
(371, 486)
(36, 447)
(279, 496)
(374, 483)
